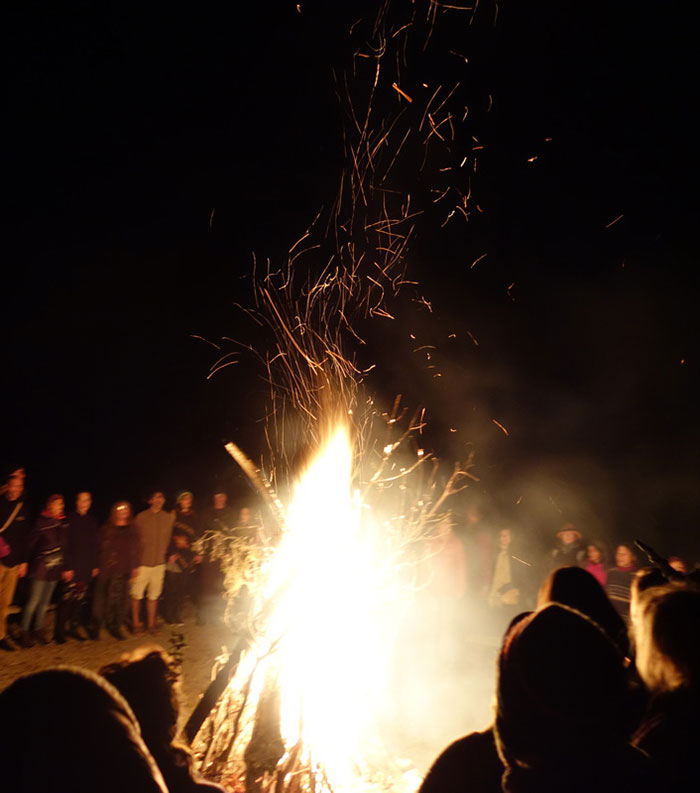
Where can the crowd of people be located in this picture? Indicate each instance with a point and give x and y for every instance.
(598, 674)
(585, 701)
(100, 575)
(495, 567)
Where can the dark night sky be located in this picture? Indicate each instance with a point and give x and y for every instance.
(128, 124)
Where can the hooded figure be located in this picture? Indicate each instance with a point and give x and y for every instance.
(578, 589)
(66, 730)
(563, 709)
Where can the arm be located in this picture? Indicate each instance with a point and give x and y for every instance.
(33, 539)
(65, 538)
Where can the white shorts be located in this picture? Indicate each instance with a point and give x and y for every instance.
(148, 579)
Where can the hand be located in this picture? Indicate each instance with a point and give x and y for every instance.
(22, 570)
(172, 558)
(134, 572)
(67, 575)
(95, 572)
(197, 559)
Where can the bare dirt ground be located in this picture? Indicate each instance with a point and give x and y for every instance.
(203, 644)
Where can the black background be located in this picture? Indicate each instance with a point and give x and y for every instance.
(128, 124)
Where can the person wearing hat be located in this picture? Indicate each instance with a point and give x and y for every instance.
(570, 550)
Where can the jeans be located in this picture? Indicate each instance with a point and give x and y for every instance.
(39, 598)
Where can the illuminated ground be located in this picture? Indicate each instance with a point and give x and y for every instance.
(445, 703)
(203, 645)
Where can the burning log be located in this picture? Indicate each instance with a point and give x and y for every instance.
(266, 747)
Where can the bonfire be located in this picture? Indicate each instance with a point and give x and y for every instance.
(300, 701)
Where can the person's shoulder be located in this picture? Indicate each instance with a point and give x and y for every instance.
(473, 756)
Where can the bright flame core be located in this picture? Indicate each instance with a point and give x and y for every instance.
(331, 658)
(332, 627)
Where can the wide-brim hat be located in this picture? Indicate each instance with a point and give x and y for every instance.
(569, 527)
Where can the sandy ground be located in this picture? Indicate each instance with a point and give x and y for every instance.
(204, 644)
(438, 709)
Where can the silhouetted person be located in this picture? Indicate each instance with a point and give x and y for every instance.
(81, 560)
(149, 683)
(67, 730)
(14, 533)
(666, 626)
(578, 589)
(563, 709)
(118, 560)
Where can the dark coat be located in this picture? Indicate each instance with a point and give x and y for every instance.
(218, 519)
(46, 548)
(119, 549)
(470, 764)
(83, 545)
(572, 555)
(17, 533)
(670, 735)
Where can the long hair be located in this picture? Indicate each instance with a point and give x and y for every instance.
(115, 507)
(602, 546)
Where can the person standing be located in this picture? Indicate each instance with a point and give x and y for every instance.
(14, 528)
(182, 562)
(619, 580)
(217, 523)
(46, 548)
(507, 591)
(81, 559)
(569, 550)
(597, 561)
(155, 528)
(219, 517)
(117, 562)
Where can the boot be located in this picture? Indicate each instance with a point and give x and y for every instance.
(25, 640)
(116, 631)
(40, 636)
(74, 633)
(59, 638)
(94, 631)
